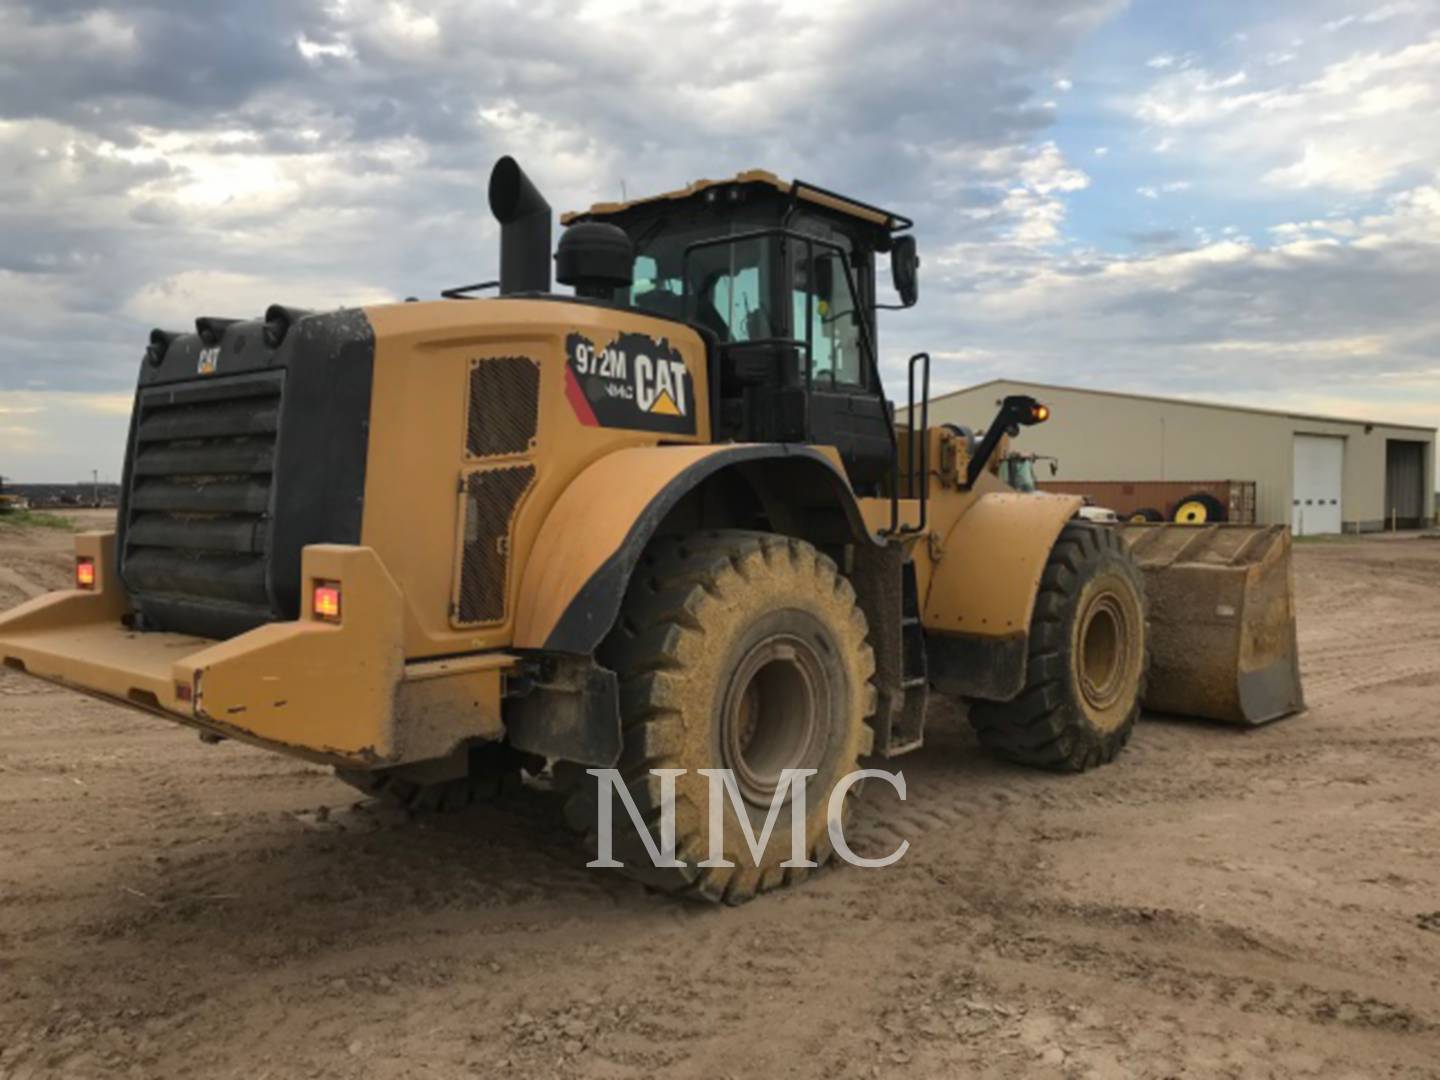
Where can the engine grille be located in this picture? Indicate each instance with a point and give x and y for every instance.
(491, 496)
(199, 509)
(504, 405)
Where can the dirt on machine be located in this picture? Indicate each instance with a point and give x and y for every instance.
(664, 521)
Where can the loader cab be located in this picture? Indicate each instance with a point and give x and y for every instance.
(782, 276)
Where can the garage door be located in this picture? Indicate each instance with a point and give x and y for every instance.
(1319, 465)
(1404, 483)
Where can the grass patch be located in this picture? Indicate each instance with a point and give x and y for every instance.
(38, 519)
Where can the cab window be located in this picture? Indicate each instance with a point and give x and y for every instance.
(821, 293)
(728, 285)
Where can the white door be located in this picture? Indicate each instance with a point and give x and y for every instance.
(1319, 465)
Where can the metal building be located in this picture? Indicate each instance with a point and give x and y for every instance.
(1320, 474)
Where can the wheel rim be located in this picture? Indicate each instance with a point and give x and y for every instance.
(1192, 513)
(1104, 648)
(775, 717)
(1138, 517)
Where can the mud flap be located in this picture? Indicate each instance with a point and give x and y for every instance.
(1222, 621)
(572, 713)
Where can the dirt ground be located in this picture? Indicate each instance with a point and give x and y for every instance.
(1217, 903)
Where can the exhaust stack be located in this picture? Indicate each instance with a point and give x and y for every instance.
(524, 218)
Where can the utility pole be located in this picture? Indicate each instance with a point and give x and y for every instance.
(95, 478)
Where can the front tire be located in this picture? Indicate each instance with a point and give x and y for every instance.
(743, 651)
(1086, 665)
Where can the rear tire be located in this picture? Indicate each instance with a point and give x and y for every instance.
(738, 650)
(1086, 664)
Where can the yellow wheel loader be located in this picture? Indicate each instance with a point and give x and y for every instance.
(665, 521)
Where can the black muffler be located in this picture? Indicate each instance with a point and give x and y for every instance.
(524, 218)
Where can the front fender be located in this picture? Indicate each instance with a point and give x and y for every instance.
(982, 592)
(580, 566)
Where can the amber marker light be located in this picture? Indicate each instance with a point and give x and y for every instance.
(84, 572)
(1042, 413)
(327, 601)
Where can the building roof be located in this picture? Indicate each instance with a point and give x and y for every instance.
(1184, 401)
(809, 192)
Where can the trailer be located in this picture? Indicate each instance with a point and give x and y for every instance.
(1193, 502)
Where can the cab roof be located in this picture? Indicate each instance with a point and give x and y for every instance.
(801, 189)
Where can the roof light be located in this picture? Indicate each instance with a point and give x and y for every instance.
(326, 601)
(84, 572)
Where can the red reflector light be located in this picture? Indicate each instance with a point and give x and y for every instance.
(84, 573)
(184, 692)
(327, 601)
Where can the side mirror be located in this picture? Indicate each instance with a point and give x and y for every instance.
(905, 269)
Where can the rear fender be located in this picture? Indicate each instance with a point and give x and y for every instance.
(982, 592)
(591, 541)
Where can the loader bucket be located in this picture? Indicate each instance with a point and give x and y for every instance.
(1222, 621)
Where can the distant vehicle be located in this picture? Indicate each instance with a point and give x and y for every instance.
(1018, 470)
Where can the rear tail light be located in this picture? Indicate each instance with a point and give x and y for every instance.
(84, 572)
(326, 601)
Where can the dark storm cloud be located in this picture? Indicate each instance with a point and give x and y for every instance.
(170, 64)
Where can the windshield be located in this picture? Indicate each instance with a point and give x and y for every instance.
(1020, 474)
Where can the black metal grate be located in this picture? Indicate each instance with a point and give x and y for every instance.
(504, 405)
(491, 496)
(198, 510)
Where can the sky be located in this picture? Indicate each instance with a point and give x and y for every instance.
(1229, 201)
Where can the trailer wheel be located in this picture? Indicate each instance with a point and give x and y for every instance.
(1085, 671)
(1200, 508)
(743, 651)
(495, 772)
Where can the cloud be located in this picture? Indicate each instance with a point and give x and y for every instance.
(1154, 191)
(1337, 309)
(162, 159)
(1355, 125)
(1378, 15)
(49, 436)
